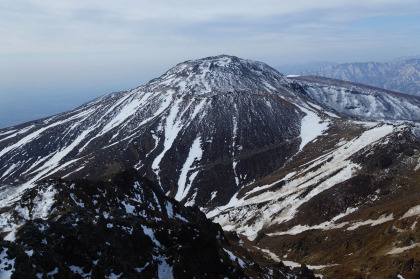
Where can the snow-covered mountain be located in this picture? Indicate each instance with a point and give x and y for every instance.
(277, 160)
(359, 100)
(402, 76)
(221, 122)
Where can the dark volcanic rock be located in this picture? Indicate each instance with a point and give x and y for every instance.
(125, 228)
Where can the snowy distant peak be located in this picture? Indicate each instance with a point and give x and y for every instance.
(401, 76)
(220, 74)
(358, 100)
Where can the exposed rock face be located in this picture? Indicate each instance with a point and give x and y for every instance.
(401, 76)
(125, 228)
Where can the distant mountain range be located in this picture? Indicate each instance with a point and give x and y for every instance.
(298, 68)
(402, 76)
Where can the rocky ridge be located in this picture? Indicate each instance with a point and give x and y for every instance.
(123, 228)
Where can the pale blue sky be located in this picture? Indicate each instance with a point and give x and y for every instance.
(67, 52)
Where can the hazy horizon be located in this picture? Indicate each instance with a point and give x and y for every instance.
(58, 55)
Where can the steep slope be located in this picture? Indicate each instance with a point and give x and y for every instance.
(347, 205)
(401, 76)
(123, 228)
(201, 131)
(210, 122)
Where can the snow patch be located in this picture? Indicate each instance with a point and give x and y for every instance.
(164, 269)
(413, 211)
(380, 220)
(149, 232)
(233, 258)
(194, 155)
(399, 250)
(5, 262)
(312, 127)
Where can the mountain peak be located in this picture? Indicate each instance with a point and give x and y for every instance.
(220, 74)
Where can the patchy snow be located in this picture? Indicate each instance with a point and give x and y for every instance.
(169, 210)
(179, 217)
(172, 128)
(79, 270)
(9, 170)
(273, 256)
(43, 203)
(312, 127)
(359, 100)
(149, 232)
(291, 263)
(413, 211)
(156, 201)
(417, 167)
(54, 272)
(5, 262)
(233, 258)
(5, 133)
(259, 188)
(114, 276)
(295, 264)
(78, 203)
(50, 166)
(32, 136)
(380, 220)
(328, 225)
(164, 269)
(325, 172)
(140, 269)
(191, 200)
(234, 164)
(10, 221)
(75, 171)
(128, 110)
(213, 195)
(330, 114)
(399, 250)
(232, 203)
(129, 209)
(184, 184)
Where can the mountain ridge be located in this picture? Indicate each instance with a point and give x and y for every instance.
(402, 76)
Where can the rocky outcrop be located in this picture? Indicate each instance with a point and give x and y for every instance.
(122, 228)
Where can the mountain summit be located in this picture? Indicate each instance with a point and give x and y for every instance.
(219, 75)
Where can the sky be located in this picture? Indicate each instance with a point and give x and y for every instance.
(56, 55)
